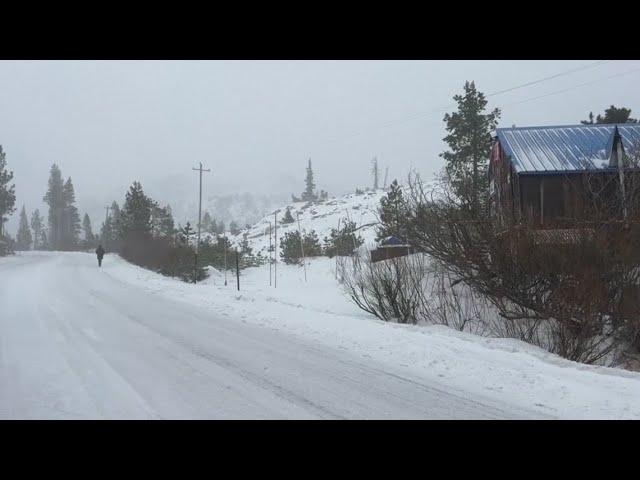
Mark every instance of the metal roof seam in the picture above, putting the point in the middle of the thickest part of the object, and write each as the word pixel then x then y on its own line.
pixel 564 148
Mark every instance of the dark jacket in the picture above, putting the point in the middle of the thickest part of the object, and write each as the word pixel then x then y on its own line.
pixel 100 252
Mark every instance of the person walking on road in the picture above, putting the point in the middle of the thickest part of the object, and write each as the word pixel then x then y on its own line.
pixel 100 254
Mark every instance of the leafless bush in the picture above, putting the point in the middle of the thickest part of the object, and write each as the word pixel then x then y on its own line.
pixel 384 289
pixel 572 291
pixel 412 289
pixel 455 304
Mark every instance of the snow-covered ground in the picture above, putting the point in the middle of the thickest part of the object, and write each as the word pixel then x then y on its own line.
pixel 321 217
pixel 120 342
pixel 505 370
pixel 124 342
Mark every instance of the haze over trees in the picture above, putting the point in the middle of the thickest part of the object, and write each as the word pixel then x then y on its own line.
pixel 63 218
pixel 23 237
pixel 39 235
pixel 7 194
pixel 89 237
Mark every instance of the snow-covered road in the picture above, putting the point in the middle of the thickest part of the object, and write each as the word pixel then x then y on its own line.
pixel 76 342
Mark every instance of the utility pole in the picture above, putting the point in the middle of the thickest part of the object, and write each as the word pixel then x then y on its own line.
pixel 275 251
pixel 304 263
pixel 195 269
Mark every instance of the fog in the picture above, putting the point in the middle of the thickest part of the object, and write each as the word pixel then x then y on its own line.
pixel 256 123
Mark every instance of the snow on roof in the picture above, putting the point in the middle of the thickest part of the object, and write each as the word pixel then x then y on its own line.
pixel 565 148
pixel 393 241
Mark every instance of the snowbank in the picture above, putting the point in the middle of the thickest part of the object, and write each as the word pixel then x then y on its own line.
pixel 508 370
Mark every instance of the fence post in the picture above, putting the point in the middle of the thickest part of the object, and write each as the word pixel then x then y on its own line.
pixel 237 269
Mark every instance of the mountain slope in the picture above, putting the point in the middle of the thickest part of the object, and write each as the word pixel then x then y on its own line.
pixel 321 217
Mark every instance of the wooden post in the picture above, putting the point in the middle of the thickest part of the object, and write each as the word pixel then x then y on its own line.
pixel 225 260
pixel 304 263
pixel 275 251
pixel 336 251
pixel 270 254
pixel 237 269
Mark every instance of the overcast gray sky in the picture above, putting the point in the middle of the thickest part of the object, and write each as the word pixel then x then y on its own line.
pixel 255 123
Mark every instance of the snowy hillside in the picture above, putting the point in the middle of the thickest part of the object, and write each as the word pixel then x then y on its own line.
pixel 244 208
pixel 320 216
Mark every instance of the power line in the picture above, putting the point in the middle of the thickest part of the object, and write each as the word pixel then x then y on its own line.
pixel 573 87
pixel 535 82
pixel 493 94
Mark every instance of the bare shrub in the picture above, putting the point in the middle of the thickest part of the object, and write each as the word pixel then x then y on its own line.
pixel 385 289
pixel 413 289
pixel 455 304
pixel 572 291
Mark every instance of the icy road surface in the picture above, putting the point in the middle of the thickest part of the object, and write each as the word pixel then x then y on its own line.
pixel 77 343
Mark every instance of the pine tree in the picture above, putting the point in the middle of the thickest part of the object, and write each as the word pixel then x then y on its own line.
pixel 290 252
pixel 162 222
pixel 107 234
pixel 391 214
pixel 38 232
pixel 342 242
pixel 72 225
pixel 245 247
pixel 111 230
pixel 233 228
pixel 55 198
pixel 469 139
pixel 114 211
pixel 612 115
pixel 88 231
pixel 217 227
pixel 206 222
pixel 135 216
pixel 7 192
pixel 309 194
pixel 23 238
pixel 186 233
pixel 311 243
pixel 287 218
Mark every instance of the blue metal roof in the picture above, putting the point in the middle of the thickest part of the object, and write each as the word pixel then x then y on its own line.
pixel 565 148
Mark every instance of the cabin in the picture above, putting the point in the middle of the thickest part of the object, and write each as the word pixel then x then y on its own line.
pixel 391 247
pixel 557 177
